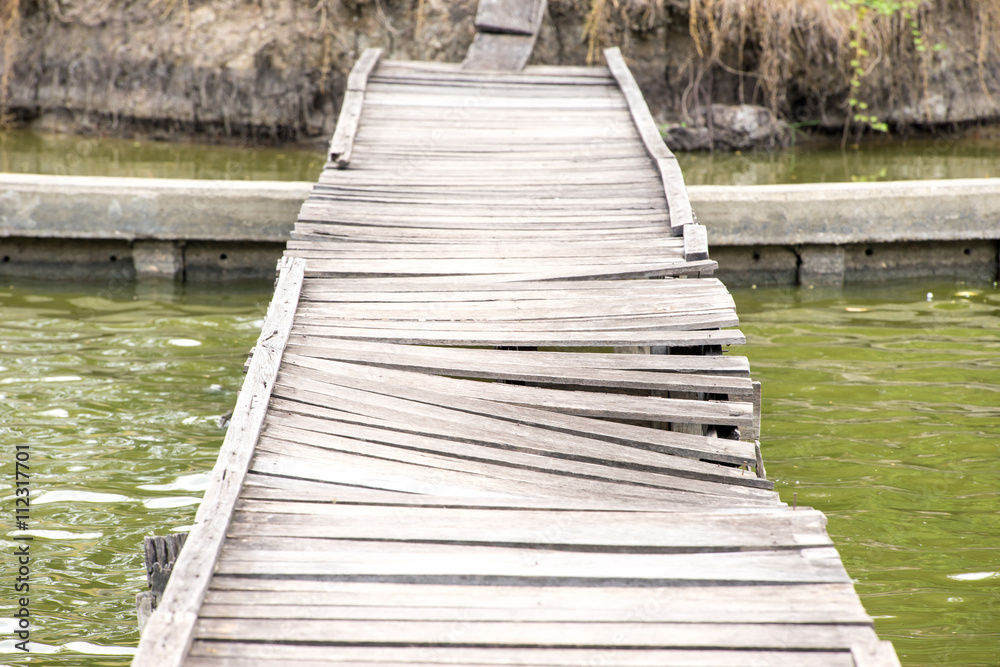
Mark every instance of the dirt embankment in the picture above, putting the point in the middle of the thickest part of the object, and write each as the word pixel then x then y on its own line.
pixel 275 69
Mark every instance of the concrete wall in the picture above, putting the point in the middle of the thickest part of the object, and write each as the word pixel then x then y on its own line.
pixel 87 227
pixel 823 234
pixel 831 233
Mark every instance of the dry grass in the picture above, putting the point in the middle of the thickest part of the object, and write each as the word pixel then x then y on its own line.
pixel 10 30
pixel 796 56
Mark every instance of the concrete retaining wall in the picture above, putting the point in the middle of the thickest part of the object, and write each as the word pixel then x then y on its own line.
pixel 80 227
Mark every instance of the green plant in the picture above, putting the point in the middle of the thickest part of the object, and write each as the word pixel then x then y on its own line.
pixel 860 55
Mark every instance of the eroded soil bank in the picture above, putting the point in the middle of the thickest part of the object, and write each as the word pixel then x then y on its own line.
pixel 275 69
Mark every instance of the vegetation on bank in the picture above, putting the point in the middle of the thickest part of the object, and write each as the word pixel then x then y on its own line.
pixel 873 60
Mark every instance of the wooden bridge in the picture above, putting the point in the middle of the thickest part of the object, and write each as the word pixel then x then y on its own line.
pixel 488 420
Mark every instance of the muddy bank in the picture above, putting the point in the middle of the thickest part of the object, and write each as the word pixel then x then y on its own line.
pixel 275 69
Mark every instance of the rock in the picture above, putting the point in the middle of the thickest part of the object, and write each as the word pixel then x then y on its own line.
pixel 741 127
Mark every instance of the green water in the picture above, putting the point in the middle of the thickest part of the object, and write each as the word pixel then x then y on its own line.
pixel 23 152
pixel 880 408
pixel 926 159
pixel 945 157
pixel 117 392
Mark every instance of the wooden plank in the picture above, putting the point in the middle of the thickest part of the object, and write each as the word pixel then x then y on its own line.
pixel 342 143
pixel 474 421
pixel 168 633
pixel 498 365
pixel 800 603
pixel 643 120
pixel 262 486
pixel 549 453
pixel 673 181
pixel 325 315
pixel 563 635
pixel 328 444
pixel 677 197
pixel 496 51
pixel 518 17
pixel 546 362
pixel 643 532
pixel 695 243
pixel 208 653
pixel 581 403
pixel 562 339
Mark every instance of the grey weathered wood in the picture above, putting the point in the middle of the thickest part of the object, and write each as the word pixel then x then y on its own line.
pixel 168 633
pixel 400 510
pixel 488 364
pixel 802 603
pixel 754 432
pixel 673 181
pixel 677 198
pixel 567 635
pixel 410 410
pixel 667 532
pixel 517 17
pixel 644 124
pixel 695 242
pixel 505 36
pixel 564 339
pixel 874 654
pixel 342 143
pixel 209 653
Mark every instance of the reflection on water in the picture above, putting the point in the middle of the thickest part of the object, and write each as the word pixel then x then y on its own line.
pixel 881 408
pixel 23 152
pixel 911 160
pixel 122 426
pixel 28 152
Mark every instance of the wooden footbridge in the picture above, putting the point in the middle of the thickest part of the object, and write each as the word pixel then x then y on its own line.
pixel 488 420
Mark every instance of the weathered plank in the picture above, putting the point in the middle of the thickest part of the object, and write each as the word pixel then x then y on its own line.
pixel 167 635
pixel 342 143
pixel 230 654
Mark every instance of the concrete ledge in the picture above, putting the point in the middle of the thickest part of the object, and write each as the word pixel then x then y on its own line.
pixel 79 207
pixel 72 227
pixel 843 213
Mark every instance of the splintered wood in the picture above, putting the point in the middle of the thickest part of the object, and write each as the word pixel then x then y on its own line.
pixel 469 455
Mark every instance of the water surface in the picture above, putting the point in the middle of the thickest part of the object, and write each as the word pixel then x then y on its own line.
pixel 24 152
pixel 117 392
pixel 881 408
pixel 897 160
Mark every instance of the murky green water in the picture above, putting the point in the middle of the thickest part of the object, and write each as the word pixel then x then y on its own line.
pixel 23 152
pixel 880 408
pixel 28 152
pixel 926 159
pixel 118 395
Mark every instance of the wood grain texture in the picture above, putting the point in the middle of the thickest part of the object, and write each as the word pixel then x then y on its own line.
pixel 168 633
pixel 342 143
pixel 494 434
